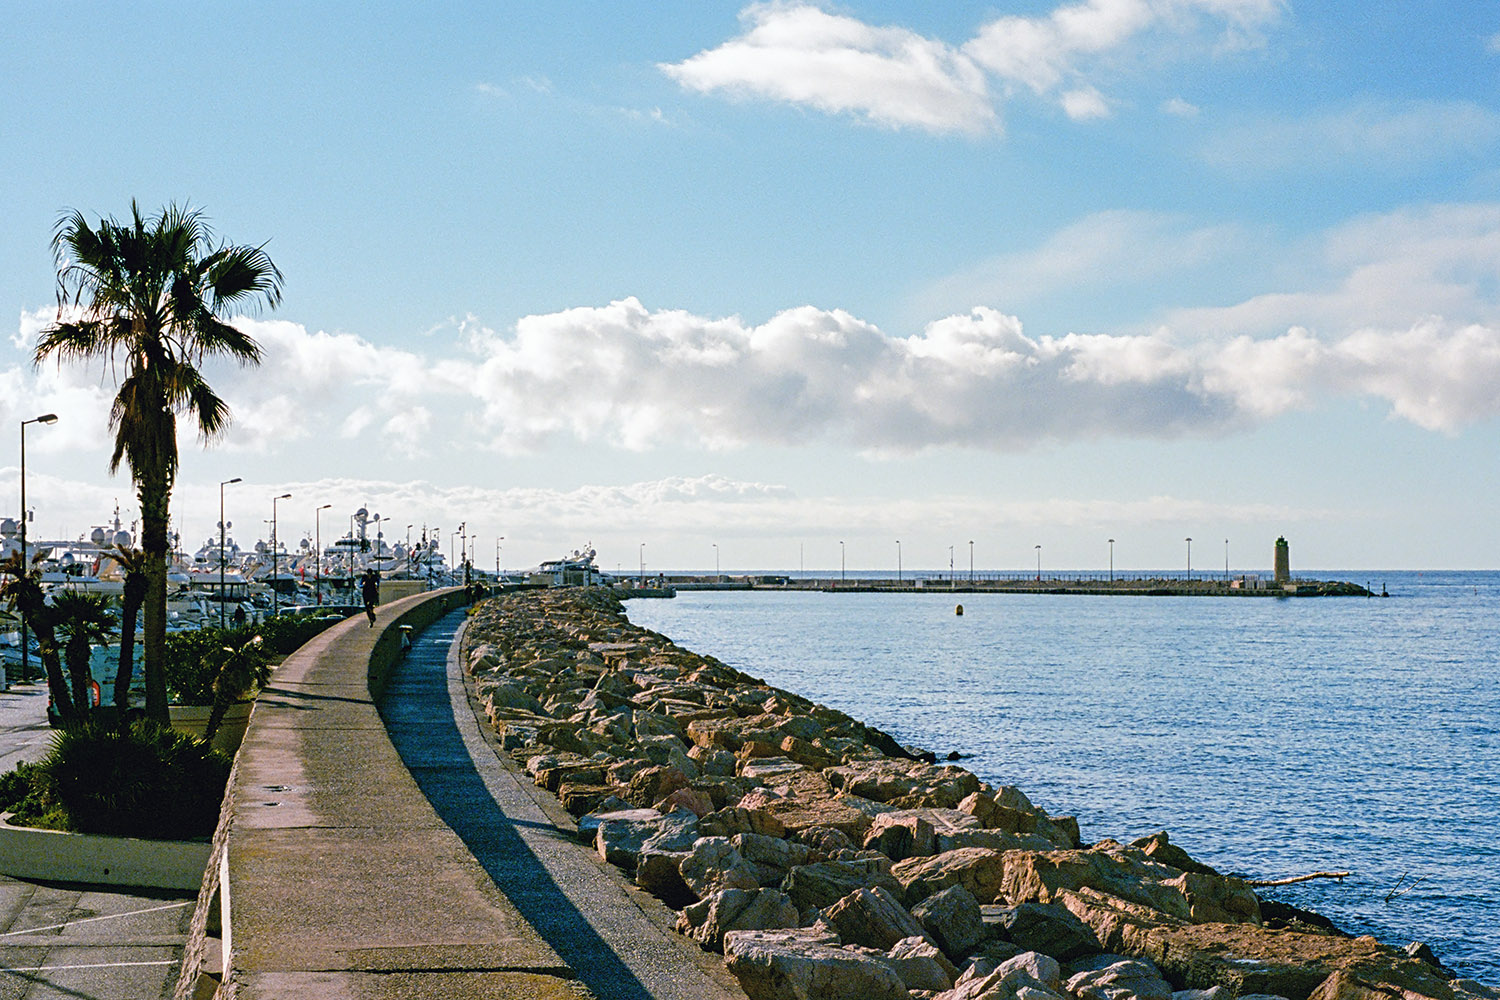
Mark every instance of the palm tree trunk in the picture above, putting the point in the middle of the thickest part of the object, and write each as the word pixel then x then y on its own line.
pixel 57 684
pixel 153 492
pixel 129 609
pixel 76 653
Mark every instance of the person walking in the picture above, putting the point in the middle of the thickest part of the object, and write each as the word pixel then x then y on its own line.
pixel 370 591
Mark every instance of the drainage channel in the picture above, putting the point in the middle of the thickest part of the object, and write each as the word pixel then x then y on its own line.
pixel 556 884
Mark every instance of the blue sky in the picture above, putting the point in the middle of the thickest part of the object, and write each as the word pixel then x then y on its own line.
pixel 775 276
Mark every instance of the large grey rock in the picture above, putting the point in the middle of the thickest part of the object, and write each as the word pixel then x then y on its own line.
pixel 1005 982
pixel 1045 927
pixel 714 864
pixel 620 840
pixel 977 869
pixel 920 965
pixel 902 834
pixel 1043 968
pixel 953 919
pixel 1127 979
pixel 771 857
pixel 873 918
pixel 708 920
pixel 824 883
pixel 807 965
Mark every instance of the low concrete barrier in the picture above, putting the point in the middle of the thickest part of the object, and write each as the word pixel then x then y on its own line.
pixel 56 856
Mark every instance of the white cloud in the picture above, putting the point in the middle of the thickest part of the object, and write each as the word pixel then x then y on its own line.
pixel 1388 137
pixel 1085 104
pixel 806 56
pixel 1492 44
pixel 1179 108
pixel 800 54
pixel 1102 250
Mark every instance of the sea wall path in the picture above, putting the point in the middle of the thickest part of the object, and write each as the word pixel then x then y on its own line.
pixel 332 873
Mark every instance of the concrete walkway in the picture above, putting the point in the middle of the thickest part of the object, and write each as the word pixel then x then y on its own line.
pixel 335 876
pixel 618 939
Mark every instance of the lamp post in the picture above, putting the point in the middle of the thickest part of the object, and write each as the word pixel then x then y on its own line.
pixel 1190 558
pixel 1038 564
pixel 642 577
pixel 225 483
pixel 1111 560
pixel 971 562
pixel 950 566
pixel 1226 562
pixel 841 561
pixel 497 559
pixel 46 418
pixel 898 561
pixel 318 543
pixel 275 557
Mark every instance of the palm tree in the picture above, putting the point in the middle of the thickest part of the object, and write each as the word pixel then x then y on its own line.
pixel 132 562
pixel 80 620
pixel 148 297
pixel 22 590
pixel 238 670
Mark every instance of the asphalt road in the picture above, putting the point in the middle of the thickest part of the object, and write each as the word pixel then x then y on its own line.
pixel 63 941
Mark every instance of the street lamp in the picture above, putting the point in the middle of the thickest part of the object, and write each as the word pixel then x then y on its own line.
pixel 898 561
pixel 1111 560
pixel 275 558
pixel 318 544
pixel 497 559
pixel 1226 562
pixel 46 418
pixel 716 562
pixel 971 562
pixel 1190 558
pixel 225 483
pixel 1038 564
pixel 642 577
pixel 950 566
pixel 841 561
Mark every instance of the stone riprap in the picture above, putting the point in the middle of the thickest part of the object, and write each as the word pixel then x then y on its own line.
pixel 825 860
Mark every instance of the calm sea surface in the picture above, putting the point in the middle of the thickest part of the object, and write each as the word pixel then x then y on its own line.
pixel 1270 737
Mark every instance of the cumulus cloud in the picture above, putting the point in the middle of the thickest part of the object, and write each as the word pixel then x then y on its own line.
pixel 892 76
pixel 1179 108
pixel 806 56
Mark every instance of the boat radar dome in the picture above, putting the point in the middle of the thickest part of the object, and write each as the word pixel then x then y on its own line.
pixel 9 527
pixel 122 538
pixel 98 535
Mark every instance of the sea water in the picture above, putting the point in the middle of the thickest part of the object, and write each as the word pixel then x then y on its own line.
pixel 1270 737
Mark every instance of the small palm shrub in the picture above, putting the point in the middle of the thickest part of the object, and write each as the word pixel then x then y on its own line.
pixel 23 793
pixel 143 781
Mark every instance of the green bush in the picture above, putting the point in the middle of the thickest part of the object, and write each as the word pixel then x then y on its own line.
pixel 144 781
pixel 190 656
pixel 23 793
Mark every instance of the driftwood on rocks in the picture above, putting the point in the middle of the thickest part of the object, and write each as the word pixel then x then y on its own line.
pixel 828 861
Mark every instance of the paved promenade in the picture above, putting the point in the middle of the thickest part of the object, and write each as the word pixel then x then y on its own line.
pixel 338 878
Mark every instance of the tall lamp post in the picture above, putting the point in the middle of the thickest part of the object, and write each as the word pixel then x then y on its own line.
pixel 1111 560
pixel 898 561
pixel 497 559
pixel 1190 558
pixel 318 543
pixel 841 561
pixel 46 418
pixel 1038 564
pixel 950 566
pixel 1226 562
pixel 275 556
pixel 642 577
pixel 716 562
pixel 971 562
pixel 225 483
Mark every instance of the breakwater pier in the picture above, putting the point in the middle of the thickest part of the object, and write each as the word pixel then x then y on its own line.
pixel 1142 586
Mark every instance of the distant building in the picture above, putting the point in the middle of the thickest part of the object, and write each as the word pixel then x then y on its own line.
pixel 1283 574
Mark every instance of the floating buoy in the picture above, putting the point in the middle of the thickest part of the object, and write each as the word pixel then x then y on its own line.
pixel 959 610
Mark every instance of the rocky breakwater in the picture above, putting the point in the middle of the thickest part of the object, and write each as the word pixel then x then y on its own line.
pixel 825 861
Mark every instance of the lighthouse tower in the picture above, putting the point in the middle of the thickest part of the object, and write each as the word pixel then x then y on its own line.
pixel 1283 562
